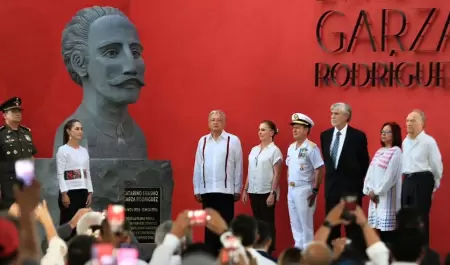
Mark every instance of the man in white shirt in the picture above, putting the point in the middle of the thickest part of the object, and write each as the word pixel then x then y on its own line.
pixel 422 168
pixel 218 172
pixel 305 173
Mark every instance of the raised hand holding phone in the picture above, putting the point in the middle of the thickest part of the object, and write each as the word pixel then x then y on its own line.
pixel 25 171
pixel 116 217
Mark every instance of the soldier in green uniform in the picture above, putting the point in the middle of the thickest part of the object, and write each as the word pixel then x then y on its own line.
pixel 15 143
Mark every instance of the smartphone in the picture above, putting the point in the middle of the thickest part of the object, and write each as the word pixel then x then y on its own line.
pixel 116 217
pixel 127 256
pixel 198 217
pixel 25 171
pixel 350 202
pixel 103 254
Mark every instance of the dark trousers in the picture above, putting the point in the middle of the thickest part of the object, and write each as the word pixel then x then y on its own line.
pixel 417 192
pixel 7 192
pixel 77 201
pixel 224 204
pixel 386 236
pixel 264 213
pixel 352 231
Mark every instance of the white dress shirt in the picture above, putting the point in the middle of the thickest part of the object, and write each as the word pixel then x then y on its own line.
pixel 341 142
pixel 261 168
pixel 77 161
pixel 163 254
pixel 260 259
pixel 422 154
pixel 218 165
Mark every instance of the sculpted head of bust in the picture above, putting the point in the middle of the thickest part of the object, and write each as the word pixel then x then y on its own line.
pixel 102 53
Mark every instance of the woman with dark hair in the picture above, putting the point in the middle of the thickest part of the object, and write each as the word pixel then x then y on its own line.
pixel 264 168
pixel 72 163
pixel 383 181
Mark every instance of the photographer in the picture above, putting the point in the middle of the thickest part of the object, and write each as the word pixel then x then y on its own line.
pixel 376 250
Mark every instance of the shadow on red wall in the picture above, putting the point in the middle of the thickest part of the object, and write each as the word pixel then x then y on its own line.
pixel 253 59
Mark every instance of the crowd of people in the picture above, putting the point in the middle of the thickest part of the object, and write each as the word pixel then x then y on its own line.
pixel 245 240
pixel 400 181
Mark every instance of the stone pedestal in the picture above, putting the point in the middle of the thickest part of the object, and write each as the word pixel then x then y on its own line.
pixel 110 177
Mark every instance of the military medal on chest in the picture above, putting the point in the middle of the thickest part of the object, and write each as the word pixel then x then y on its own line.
pixel 302 152
pixel 28 137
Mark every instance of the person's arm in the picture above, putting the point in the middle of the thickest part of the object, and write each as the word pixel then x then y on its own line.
pixel 238 167
pixel 197 178
pixel 391 175
pixel 65 231
pixel 60 168
pixel 317 163
pixel 33 148
pixel 363 156
pixel 367 187
pixel 277 161
pixel 436 165
pixel 88 176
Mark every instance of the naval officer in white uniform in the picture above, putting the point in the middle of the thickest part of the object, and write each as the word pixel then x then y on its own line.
pixel 305 173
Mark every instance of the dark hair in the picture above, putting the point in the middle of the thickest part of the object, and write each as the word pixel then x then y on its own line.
pixel 407 244
pixel 396 134
pixel 447 259
pixel 79 249
pixel 264 233
pixel 272 126
pixel 291 256
pixel 408 217
pixel 246 228
pixel 68 126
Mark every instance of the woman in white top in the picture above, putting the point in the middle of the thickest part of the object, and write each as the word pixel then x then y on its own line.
pixel 72 162
pixel 264 168
pixel 383 181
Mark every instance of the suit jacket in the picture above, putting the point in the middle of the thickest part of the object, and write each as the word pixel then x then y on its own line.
pixel 348 177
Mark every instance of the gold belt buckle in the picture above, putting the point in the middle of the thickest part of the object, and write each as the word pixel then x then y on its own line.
pixel 292 184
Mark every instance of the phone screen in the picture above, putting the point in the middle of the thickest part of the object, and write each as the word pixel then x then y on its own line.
pixel 127 256
pixel 103 254
pixel 25 171
pixel 116 217
pixel 350 203
pixel 198 217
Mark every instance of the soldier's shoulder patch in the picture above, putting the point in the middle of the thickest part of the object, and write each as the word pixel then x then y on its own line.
pixel 25 128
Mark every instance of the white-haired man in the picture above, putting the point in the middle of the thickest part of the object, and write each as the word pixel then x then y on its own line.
pixel 218 172
pixel 346 157
pixel 422 167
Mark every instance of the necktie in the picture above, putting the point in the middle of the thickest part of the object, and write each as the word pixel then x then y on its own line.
pixel 334 149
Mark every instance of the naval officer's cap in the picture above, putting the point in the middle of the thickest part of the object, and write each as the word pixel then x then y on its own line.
pixel 12 103
pixel 300 118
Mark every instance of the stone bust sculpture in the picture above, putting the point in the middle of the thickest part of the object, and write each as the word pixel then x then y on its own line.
pixel 102 53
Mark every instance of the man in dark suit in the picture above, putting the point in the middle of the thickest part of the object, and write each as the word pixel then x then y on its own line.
pixel 346 158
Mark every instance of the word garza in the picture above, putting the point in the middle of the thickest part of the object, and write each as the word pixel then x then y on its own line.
pixel 404 74
pixel 363 23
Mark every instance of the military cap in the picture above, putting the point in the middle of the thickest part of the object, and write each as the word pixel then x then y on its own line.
pixel 300 118
pixel 12 103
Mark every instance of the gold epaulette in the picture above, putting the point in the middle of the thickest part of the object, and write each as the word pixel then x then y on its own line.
pixel 311 143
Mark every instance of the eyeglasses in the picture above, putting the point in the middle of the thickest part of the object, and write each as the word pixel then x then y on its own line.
pixel 386 132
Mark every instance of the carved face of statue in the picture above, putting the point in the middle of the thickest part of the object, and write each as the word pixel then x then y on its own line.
pixel 116 68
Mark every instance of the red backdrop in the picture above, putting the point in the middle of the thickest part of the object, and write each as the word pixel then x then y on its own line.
pixel 254 59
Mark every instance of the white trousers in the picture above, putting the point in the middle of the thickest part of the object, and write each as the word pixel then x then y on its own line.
pixel 301 215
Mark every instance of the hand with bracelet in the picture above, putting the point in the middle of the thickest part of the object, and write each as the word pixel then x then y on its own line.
pixel 334 216
pixel 312 197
